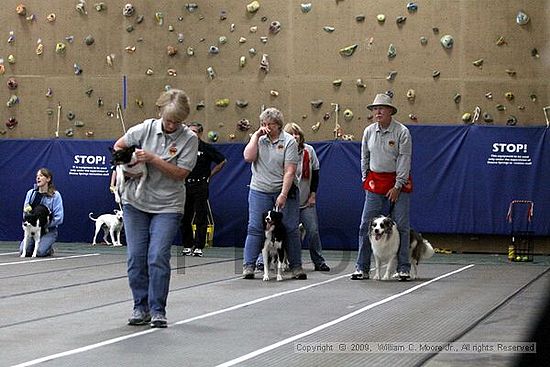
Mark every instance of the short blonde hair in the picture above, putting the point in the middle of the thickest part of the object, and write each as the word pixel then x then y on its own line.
pixel 173 105
pixel 272 114
pixel 294 128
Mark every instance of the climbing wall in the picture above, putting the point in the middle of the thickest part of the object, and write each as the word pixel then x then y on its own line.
pixel 87 70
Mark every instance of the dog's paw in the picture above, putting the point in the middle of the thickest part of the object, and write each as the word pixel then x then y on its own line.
pixel 22 255
pixel 279 278
pixel 376 276
pixel 266 278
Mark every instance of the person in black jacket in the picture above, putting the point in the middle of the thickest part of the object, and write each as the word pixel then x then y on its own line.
pixel 196 201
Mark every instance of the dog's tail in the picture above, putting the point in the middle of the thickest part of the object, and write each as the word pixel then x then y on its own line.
pixel 427 249
pixel 92 218
pixel 423 249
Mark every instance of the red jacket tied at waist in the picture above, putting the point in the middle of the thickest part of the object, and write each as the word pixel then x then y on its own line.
pixel 382 182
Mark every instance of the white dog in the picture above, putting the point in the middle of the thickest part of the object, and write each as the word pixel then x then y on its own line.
pixel 110 223
pixel 127 165
pixel 384 240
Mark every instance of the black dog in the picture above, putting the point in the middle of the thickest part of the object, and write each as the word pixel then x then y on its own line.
pixel 275 244
pixel 35 224
pixel 126 165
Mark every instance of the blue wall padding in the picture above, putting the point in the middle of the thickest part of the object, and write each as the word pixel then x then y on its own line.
pixel 464 179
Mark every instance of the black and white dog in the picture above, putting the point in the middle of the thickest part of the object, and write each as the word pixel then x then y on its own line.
pixel 275 244
pixel 35 224
pixel 111 224
pixel 384 238
pixel 126 164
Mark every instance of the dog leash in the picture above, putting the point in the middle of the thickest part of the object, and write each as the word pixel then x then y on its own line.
pixel 392 206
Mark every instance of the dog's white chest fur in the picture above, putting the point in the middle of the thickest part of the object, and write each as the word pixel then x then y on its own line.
pixel 274 249
pixel 384 239
pixel 271 245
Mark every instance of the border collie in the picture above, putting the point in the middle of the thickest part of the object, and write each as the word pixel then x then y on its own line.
pixel 35 224
pixel 384 240
pixel 275 244
pixel 126 165
pixel 111 224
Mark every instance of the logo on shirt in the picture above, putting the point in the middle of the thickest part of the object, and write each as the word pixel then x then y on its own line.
pixel 173 150
pixel 391 143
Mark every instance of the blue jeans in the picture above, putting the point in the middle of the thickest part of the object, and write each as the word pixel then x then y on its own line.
pixel 46 242
pixel 260 202
pixel 376 204
pixel 308 218
pixel 149 238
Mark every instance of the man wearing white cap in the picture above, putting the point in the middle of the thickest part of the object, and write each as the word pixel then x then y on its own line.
pixel 385 170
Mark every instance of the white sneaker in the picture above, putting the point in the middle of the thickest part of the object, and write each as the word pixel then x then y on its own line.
pixel 402 276
pixel 358 275
pixel 197 252
pixel 186 251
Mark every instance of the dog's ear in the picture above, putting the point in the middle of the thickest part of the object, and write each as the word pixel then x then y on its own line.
pixel 388 222
pixel 27 217
pixel 370 222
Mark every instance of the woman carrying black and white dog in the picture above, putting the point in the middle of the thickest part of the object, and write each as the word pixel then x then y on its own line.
pixel 151 219
pixel 44 193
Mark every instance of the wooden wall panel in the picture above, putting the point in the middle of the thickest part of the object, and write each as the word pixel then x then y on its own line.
pixel 304 61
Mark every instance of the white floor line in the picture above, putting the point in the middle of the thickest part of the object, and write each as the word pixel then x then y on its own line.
pixel 40 259
pixel 236 307
pixel 9 253
pixel 83 349
pixel 336 321
pixel 232 308
pixel 130 336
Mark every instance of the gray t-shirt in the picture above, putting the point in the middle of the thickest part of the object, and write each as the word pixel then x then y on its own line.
pixel 387 150
pixel 268 168
pixel 161 193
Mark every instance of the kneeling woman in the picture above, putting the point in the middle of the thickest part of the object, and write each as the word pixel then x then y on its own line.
pixel 44 193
